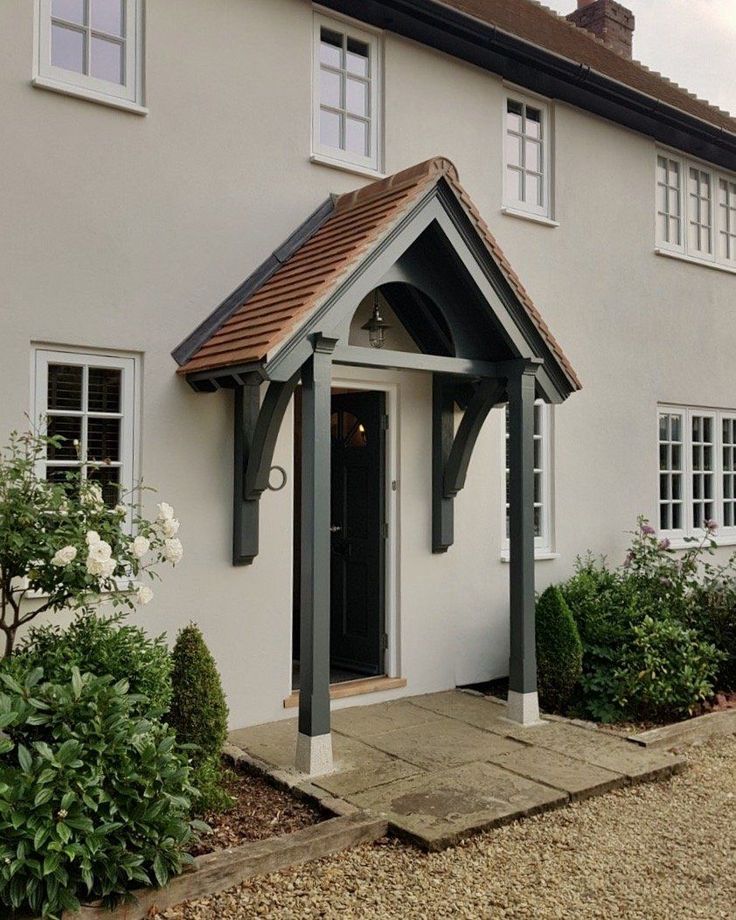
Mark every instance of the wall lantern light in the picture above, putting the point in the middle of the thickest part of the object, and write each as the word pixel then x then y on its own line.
pixel 376 326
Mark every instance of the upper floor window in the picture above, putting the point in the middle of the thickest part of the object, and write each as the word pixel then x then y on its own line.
pixel 91 48
pixel 542 478
pixel 88 400
pixel 696 210
pixel 697 470
pixel 527 157
pixel 347 94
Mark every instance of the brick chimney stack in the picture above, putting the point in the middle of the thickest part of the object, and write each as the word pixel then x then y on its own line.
pixel 610 21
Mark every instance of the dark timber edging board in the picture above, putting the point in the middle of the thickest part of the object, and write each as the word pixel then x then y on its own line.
pixel 217 871
pixel 691 731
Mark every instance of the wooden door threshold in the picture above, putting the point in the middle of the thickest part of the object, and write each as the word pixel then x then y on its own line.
pixel 348 688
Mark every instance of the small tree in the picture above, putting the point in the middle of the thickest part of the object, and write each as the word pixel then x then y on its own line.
pixel 199 714
pixel 62 547
pixel 559 649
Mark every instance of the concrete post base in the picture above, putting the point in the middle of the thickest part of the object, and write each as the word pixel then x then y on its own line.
pixel 314 754
pixel 523 708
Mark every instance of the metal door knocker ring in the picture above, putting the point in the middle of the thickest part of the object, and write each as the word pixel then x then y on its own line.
pixel 280 486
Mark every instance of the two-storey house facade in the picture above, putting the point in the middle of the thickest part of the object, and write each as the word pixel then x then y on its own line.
pixel 156 154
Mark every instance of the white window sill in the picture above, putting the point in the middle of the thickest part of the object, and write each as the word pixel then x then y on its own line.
pixel 681 543
pixel 706 263
pixel 355 168
pixel 528 215
pixel 79 92
pixel 540 555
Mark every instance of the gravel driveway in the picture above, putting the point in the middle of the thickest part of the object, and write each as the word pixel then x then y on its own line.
pixel 665 850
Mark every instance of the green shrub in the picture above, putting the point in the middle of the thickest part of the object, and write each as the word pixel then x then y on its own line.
pixel 199 715
pixel 94 800
pixel 102 646
pixel 559 650
pixel 713 616
pixel 664 670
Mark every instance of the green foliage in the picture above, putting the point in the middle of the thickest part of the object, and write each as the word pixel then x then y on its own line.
pixel 62 540
pixel 207 779
pixel 103 645
pixel 94 800
pixel 199 714
pixel 646 651
pixel 713 616
pixel 559 650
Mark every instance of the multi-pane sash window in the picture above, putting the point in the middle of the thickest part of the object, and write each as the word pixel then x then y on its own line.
pixel 669 200
pixel 91 48
pixel 347 94
pixel 88 401
pixel 542 477
pixel 700 211
pixel 527 157
pixel 696 210
pixel 727 220
pixel 697 470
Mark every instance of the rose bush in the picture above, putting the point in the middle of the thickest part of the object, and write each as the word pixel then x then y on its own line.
pixel 62 547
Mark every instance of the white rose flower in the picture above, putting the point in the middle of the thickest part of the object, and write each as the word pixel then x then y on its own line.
pixel 140 546
pixel 169 527
pixel 165 512
pixel 121 510
pixel 92 495
pixel 99 560
pixel 143 595
pixel 173 551
pixel 92 537
pixel 64 556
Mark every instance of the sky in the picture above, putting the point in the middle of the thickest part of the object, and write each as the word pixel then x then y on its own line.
pixel 689 41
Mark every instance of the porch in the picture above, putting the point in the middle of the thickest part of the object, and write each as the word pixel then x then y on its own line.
pixel 445 765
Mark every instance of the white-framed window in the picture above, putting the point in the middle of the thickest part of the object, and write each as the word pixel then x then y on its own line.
pixel 527 159
pixel 89 400
pixel 91 48
pixel 727 220
pixel 347 112
pixel 695 210
pixel 542 478
pixel 697 470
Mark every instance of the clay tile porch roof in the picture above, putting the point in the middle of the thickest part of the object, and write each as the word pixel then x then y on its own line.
pixel 277 300
pixel 533 22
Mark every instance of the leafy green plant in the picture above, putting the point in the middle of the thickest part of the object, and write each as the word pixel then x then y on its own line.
pixel 94 801
pixel 61 540
pixel 103 645
pixel 664 670
pixel 559 650
pixel 199 715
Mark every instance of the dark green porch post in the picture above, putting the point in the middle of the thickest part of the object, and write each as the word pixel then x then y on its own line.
pixel 314 741
pixel 523 704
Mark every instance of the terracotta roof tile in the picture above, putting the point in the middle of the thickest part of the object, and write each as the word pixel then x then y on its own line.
pixel 535 23
pixel 255 329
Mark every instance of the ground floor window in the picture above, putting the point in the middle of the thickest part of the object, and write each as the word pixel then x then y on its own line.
pixel 697 470
pixel 88 400
pixel 542 478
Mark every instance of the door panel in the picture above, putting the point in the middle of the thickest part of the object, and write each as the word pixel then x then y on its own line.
pixel 357 558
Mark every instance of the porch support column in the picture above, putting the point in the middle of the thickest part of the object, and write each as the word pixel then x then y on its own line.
pixel 523 702
pixel 314 740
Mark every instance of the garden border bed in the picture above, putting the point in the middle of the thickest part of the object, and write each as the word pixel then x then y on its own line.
pixel 689 731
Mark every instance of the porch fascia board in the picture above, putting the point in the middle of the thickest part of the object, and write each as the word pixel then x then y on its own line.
pixel 415 361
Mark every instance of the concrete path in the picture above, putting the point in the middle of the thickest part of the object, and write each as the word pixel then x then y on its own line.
pixel 445 765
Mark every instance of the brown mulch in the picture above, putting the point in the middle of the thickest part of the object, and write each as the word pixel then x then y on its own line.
pixel 260 810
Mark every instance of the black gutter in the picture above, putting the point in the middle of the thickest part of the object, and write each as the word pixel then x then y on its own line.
pixel 206 329
pixel 543 72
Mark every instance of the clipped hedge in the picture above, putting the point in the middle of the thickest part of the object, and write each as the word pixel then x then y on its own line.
pixel 559 650
pixel 199 714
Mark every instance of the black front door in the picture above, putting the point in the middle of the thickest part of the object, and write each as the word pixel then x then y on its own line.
pixel 358 517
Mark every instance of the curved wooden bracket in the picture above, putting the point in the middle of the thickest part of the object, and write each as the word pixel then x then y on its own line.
pixel 256 428
pixel 451 452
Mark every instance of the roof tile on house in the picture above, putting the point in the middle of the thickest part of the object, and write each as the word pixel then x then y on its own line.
pixel 535 23
pixel 255 329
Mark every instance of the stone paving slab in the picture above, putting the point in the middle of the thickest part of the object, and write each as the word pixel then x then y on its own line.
pixel 438 809
pixel 576 777
pixel 443 743
pixel 467 707
pixel 366 721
